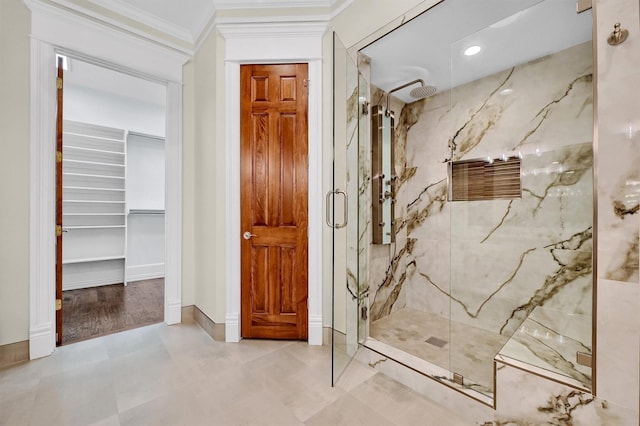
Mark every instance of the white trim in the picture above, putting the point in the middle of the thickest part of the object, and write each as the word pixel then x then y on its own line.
pixel 42 241
pixel 92 283
pixel 104 279
pixel 144 272
pixel 53 28
pixel 232 172
pixel 279 19
pixel 315 203
pixel 146 18
pixel 273 43
pixel 173 205
pixel 273 4
pixel 84 17
pixel 194 36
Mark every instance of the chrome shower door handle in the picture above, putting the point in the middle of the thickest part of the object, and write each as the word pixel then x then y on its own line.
pixel 345 209
pixel 328 209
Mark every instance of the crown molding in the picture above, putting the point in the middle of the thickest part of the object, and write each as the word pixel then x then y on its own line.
pixel 67 7
pixel 195 37
pixel 60 26
pixel 274 4
pixel 237 30
pixel 144 17
pixel 293 25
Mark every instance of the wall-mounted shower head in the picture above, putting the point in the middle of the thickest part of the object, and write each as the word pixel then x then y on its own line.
pixel 421 92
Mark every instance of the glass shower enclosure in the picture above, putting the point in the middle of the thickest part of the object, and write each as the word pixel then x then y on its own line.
pixel 343 212
pixel 491 255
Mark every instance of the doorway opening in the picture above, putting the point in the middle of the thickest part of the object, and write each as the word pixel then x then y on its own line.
pixel 112 202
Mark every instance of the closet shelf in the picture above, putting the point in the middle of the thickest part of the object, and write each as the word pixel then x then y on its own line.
pixel 93 201
pixel 92 259
pixel 145 211
pixel 94 227
pixel 85 136
pixel 93 214
pixel 94 163
pixel 98 151
pixel 94 176
pixel 90 188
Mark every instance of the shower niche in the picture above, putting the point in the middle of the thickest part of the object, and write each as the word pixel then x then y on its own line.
pixel 445 286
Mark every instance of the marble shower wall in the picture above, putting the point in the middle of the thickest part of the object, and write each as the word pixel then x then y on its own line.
pixel 618 186
pixel 491 264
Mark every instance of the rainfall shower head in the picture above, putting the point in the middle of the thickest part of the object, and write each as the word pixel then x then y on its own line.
pixel 421 92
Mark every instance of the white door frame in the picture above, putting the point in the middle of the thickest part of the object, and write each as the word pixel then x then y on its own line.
pixel 273 43
pixel 52 29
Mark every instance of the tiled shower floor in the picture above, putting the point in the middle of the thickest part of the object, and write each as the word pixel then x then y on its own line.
pixel 456 347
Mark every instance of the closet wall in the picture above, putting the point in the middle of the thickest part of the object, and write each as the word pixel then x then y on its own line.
pixel 145 207
pixel 118 123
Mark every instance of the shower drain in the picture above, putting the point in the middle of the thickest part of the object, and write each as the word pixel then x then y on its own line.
pixel 436 342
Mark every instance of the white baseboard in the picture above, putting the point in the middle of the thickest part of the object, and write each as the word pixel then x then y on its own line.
pixel 92 274
pixel 144 272
pixel 41 342
pixel 92 283
pixel 232 328
pixel 315 331
pixel 173 311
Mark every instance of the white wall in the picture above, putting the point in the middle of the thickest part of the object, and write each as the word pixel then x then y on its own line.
pixel 145 172
pixel 145 191
pixel 209 169
pixel 188 185
pixel 93 106
pixel 14 172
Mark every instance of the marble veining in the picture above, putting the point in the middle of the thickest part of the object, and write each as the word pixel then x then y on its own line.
pixel 436 198
pixel 580 265
pixel 387 292
pixel 558 410
pixel 471 133
pixel 586 79
pixel 625 266
pixel 621 210
pixel 535 341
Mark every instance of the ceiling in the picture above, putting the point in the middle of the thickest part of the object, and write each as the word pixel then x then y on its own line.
pixel 184 19
pixel 94 77
pixel 187 19
pixel 429 46
pixel 510 32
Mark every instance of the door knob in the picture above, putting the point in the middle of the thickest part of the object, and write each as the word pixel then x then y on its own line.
pixel 247 235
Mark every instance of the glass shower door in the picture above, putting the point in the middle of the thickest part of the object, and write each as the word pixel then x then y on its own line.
pixel 521 222
pixel 342 210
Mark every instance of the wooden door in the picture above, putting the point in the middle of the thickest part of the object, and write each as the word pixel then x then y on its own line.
pixel 274 170
pixel 59 85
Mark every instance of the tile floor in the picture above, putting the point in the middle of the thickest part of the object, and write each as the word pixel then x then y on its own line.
pixel 468 350
pixel 177 375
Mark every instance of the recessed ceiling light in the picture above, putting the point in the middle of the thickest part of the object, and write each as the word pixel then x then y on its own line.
pixel 472 50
